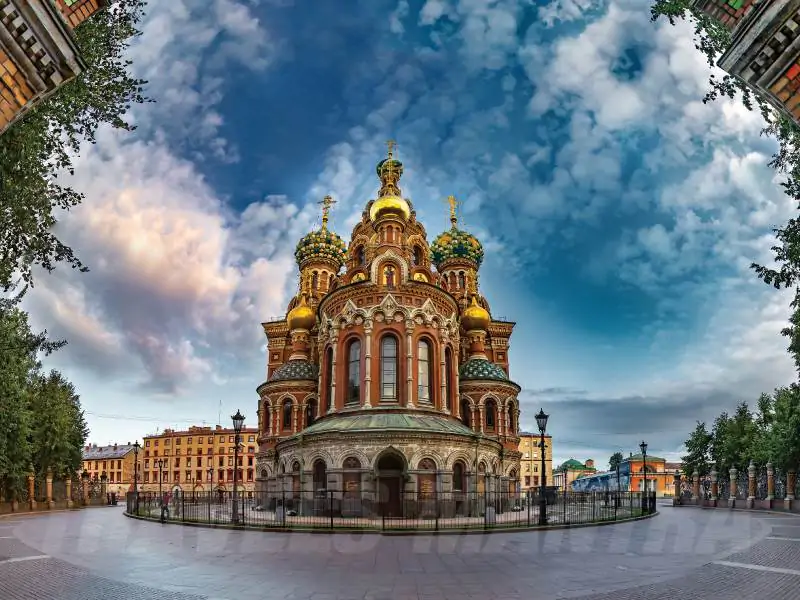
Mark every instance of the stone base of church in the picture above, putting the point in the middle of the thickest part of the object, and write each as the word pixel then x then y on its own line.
pixel 378 473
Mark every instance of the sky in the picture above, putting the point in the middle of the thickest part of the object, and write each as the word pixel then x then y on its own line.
pixel 618 212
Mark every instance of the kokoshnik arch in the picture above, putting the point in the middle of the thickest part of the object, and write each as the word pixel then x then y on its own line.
pixel 388 377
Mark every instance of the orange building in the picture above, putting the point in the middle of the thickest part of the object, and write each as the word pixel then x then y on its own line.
pixel 198 459
pixel 115 462
pixel 38 52
pixel 531 460
pixel 660 474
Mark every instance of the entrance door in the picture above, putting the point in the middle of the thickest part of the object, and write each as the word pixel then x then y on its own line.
pixel 390 480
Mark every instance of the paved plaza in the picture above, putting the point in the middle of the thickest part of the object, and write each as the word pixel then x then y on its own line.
pixel 681 553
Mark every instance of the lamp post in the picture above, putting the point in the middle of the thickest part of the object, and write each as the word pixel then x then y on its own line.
pixel 643 448
pixel 238 421
pixel 136 447
pixel 161 463
pixel 541 422
pixel 616 502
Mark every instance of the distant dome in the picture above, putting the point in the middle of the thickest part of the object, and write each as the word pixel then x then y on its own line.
pixel 480 368
pixel 295 370
pixel 301 316
pixel 455 243
pixel 321 244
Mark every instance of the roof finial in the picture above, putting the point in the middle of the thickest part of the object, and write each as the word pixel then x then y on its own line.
pixel 389 171
pixel 451 200
pixel 326 203
pixel 391 145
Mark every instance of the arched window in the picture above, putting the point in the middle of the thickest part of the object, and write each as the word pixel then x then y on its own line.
pixel 452 279
pixel 491 414
pixel 311 412
pixel 512 418
pixel 389 369
pixel 361 257
pixel 329 376
pixel 462 282
pixel 264 474
pixel 314 280
pixel 458 477
pixel 319 475
pixel 448 378
pixel 466 412
pixel 418 257
pixel 330 281
pixel 351 463
pixel 287 414
pixel 424 372
pixel 354 372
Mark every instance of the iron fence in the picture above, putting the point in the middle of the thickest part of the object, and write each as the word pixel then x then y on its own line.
pixel 331 509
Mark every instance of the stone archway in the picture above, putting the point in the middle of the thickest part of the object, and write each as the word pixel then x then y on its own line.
pixel 390 469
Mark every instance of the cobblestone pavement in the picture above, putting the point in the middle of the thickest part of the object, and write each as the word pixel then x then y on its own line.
pixel 683 552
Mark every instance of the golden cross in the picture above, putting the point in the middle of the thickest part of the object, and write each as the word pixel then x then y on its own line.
pixel 451 200
pixel 326 203
pixel 391 144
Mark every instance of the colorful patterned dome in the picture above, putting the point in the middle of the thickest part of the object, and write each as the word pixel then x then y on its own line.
pixel 480 368
pixel 321 244
pixel 456 243
pixel 294 370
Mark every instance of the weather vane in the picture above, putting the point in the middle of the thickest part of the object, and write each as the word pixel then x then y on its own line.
pixel 326 203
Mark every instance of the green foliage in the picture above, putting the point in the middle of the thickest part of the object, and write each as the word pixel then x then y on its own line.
pixel 36 148
pixel 43 425
pixel 697 451
pixel 615 460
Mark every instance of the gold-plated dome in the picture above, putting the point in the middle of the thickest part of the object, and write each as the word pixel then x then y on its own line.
pixel 475 317
pixel 301 316
pixel 390 204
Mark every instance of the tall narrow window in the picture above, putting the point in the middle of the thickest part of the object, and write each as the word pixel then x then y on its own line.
pixel 417 256
pixel 287 414
pixel 329 376
pixel 512 418
pixel 466 413
pixel 424 379
pixel 314 280
pixel 311 412
pixel 448 378
pixel 462 284
pixel 354 373
pixel 458 477
pixel 389 369
pixel 491 417
pixel 361 257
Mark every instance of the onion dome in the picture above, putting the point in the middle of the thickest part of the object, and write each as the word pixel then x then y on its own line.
pixel 456 243
pixel 475 317
pixel 322 244
pixel 390 200
pixel 480 368
pixel 294 370
pixel 301 316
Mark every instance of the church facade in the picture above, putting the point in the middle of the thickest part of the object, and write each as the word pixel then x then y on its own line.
pixel 387 381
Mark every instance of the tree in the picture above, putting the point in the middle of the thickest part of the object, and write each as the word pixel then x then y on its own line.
pixel 697 451
pixel 38 147
pixel 615 461
pixel 784 441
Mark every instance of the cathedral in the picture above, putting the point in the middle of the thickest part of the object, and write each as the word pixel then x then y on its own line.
pixel 387 380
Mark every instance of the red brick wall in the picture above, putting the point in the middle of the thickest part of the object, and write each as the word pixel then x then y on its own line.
pixel 15 92
pixel 787 90
pixel 724 12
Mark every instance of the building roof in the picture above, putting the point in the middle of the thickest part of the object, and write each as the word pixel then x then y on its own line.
pixel 199 430
pixel 575 465
pixel 106 452
pixel 638 457
pixel 480 368
pixel 388 422
pixel 295 370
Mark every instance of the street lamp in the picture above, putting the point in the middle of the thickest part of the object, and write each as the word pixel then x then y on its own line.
pixel 238 421
pixel 643 448
pixel 541 422
pixel 136 447
pixel 161 463
pixel 616 503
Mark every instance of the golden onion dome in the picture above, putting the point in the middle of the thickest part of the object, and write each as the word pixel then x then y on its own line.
pixel 390 205
pixel 301 316
pixel 475 317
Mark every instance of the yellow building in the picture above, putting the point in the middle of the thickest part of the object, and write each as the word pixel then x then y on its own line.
pixel 531 460
pixel 115 461
pixel 198 460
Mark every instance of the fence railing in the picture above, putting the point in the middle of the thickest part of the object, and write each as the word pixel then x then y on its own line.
pixel 334 509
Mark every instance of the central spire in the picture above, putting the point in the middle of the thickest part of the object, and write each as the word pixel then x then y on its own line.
pixel 389 171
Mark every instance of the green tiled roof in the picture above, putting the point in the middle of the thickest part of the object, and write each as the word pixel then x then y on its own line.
pixel 480 368
pixel 388 422
pixel 639 457
pixel 296 370
pixel 574 465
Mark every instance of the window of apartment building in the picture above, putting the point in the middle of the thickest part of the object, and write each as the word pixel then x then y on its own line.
pixel 119 464
pixel 147 452
pixel 230 450
pixel 210 439
pixel 251 438
pixel 230 439
pixel 188 440
pixel 210 451
pixel 177 462
pixel 166 452
pixel 147 443
pixel 198 476
pixel 249 461
pixel 147 477
pixel 177 451
pixel 188 475
pixel 147 464
pixel 156 442
pixel 527 481
pixel 221 461
pixel 177 476
pixel 526 455
pixel 104 465
pixel 95 465
pixel 249 476
pixel 221 439
pixel 230 461
pixel 155 453
pixel 178 442
pixel 167 442
pixel 188 461
pixel 251 450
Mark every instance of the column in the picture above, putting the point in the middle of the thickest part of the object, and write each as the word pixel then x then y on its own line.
pixel 85 490
pixel 714 487
pixel 770 485
pixel 49 489
pixel 295 417
pixel 68 483
pixel 791 481
pixel 31 492
pixel 732 497
pixel 367 365
pixel 335 347
pixel 443 391
pixel 751 485
pixel 457 404
pixel 409 365
pixel 273 420
pixel 482 414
